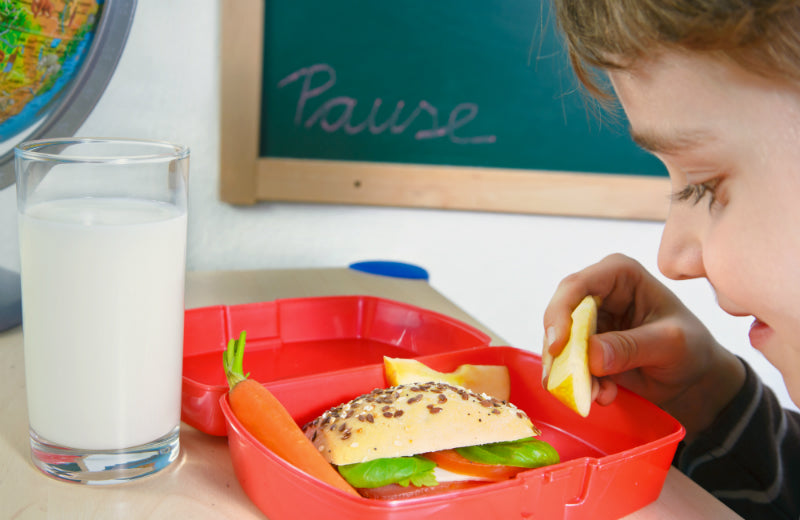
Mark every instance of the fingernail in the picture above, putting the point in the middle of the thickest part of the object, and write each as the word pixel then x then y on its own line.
pixel 550 334
pixel 608 355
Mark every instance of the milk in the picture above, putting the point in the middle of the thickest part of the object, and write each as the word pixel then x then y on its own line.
pixel 103 356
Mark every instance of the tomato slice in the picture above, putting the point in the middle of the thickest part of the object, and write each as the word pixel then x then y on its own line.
pixel 397 492
pixel 452 461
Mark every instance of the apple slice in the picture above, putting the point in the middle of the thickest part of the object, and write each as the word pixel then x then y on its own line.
pixel 569 377
pixel 492 380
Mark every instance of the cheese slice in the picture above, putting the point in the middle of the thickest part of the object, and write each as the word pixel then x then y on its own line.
pixel 443 475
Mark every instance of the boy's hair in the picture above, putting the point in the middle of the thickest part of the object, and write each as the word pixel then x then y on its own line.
pixel 762 36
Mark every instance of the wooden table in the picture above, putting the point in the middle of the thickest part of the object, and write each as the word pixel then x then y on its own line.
pixel 201 484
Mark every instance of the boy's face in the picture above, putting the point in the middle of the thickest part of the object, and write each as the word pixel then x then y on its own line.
pixel 734 139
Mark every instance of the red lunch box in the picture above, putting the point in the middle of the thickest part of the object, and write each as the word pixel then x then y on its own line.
pixel 315 353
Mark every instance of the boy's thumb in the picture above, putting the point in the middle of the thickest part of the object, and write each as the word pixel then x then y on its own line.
pixel 619 351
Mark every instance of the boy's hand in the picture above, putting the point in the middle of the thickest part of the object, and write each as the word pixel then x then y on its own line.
pixel 646 341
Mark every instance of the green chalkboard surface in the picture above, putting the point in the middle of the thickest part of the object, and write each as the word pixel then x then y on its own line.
pixel 442 82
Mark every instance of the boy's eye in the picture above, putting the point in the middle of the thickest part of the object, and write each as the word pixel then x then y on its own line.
pixel 696 192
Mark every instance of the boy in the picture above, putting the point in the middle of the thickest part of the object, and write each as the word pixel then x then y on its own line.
pixel 712 88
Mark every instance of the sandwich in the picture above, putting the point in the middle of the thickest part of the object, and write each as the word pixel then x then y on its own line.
pixel 420 439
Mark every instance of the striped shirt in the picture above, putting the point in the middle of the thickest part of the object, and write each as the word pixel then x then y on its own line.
pixel 750 457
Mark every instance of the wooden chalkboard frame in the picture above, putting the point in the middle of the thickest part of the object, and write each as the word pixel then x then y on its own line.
pixel 246 178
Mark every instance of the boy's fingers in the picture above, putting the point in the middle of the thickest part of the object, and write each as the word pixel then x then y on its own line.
pixel 607 391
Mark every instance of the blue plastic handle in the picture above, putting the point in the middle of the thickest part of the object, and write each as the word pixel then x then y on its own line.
pixel 392 269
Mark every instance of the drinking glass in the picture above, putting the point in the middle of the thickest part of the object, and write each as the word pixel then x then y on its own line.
pixel 102 231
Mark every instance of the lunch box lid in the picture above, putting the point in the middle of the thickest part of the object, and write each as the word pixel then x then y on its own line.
pixel 300 337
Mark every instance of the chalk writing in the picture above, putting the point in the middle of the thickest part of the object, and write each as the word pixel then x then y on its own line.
pixel 336 113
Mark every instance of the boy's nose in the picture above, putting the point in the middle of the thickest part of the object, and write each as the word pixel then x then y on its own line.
pixel 680 255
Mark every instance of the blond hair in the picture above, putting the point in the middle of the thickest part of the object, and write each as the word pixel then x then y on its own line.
pixel 762 36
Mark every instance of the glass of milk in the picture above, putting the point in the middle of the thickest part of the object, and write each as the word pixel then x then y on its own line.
pixel 102 230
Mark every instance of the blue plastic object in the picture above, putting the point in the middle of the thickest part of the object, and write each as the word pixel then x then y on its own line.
pixel 10 299
pixel 392 269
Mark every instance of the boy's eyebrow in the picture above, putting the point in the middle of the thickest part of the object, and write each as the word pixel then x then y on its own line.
pixel 669 143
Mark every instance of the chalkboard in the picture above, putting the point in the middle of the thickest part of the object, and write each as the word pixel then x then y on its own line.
pixel 460 104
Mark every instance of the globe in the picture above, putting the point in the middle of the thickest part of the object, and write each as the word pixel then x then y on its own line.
pixel 56 56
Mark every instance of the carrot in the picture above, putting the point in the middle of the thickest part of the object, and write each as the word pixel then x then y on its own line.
pixel 267 420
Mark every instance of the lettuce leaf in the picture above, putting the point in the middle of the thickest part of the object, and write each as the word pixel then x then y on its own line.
pixel 524 453
pixel 417 471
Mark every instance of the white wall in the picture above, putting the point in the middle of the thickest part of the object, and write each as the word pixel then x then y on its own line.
pixel 501 268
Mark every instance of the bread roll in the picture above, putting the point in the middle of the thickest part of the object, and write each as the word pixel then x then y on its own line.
pixel 414 418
